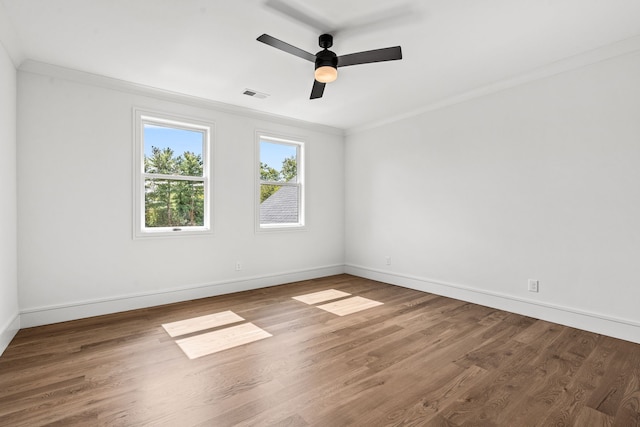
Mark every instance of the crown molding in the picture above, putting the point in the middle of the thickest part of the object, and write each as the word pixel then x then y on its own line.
pixel 603 53
pixel 9 39
pixel 620 48
pixel 91 79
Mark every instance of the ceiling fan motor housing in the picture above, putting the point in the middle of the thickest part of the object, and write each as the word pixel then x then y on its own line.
pixel 326 58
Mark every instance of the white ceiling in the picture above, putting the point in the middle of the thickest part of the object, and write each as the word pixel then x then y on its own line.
pixel 208 48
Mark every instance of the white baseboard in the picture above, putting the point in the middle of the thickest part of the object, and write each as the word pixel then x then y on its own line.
pixel 594 322
pixel 8 331
pixel 37 316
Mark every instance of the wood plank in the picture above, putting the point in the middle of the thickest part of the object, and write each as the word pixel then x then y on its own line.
pixel 322 296
pixel 418 359
pixel 590 417
pixel 201 323
pixel 349 305
pixel 223 339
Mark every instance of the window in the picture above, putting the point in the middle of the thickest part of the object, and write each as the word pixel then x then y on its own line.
pixel 280 183
pixel 172 169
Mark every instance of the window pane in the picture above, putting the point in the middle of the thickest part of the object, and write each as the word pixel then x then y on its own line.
pixel 279 204
pixel 278 162
pixel 173 203
pixel 172 151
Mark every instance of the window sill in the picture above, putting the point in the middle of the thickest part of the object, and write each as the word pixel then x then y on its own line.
pixel 270 228
pixel 174 232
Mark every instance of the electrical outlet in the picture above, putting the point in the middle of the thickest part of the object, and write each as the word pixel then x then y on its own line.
pixel 387 260
pixel 533 285
pixel 238 266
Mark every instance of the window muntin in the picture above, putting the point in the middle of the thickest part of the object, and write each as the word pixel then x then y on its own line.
pixel 280 195
pixel 172 189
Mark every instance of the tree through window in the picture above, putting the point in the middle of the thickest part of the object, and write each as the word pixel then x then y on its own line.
pixel 280 182
pixel 173 185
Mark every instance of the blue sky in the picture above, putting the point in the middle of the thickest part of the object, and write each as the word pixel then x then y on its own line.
pixel 179 140
pixel 273 154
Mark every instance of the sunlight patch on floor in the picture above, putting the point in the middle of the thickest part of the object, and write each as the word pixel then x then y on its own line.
pixel 223 339
pixel 349 305
pixel 322 296
pixel 201 323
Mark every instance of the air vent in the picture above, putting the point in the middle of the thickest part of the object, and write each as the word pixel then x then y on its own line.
pixel 255 94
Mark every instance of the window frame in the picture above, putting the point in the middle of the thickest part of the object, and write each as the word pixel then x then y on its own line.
pixel 299 143
pixel 142 117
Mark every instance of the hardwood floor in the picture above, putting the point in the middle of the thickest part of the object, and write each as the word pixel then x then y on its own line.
pixel 417 359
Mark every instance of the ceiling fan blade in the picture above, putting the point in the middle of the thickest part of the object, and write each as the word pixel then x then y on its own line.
pixel 317 90
pixel 299 15
pixel 366 57
pixel 286 47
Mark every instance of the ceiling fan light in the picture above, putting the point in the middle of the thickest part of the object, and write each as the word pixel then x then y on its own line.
pixel 326 74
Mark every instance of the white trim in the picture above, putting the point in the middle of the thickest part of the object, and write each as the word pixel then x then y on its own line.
pixel 9 38
pixel 76 76
pixel 8 331
pixel 208 129
pixel 44 315
pixel 594 322
pixel 607 325
pixel 299 143
pixel 620 48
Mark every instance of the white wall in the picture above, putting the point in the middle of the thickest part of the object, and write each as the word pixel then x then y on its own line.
pixel 540 181
pixel 76 252
pixel 9 320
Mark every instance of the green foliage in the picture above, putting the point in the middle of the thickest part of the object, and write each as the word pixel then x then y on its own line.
pixel 268 174
pixel 161 161
pixel 172 202
pixel 289 171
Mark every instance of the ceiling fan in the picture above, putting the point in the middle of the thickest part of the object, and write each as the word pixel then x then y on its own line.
pixel 327 62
